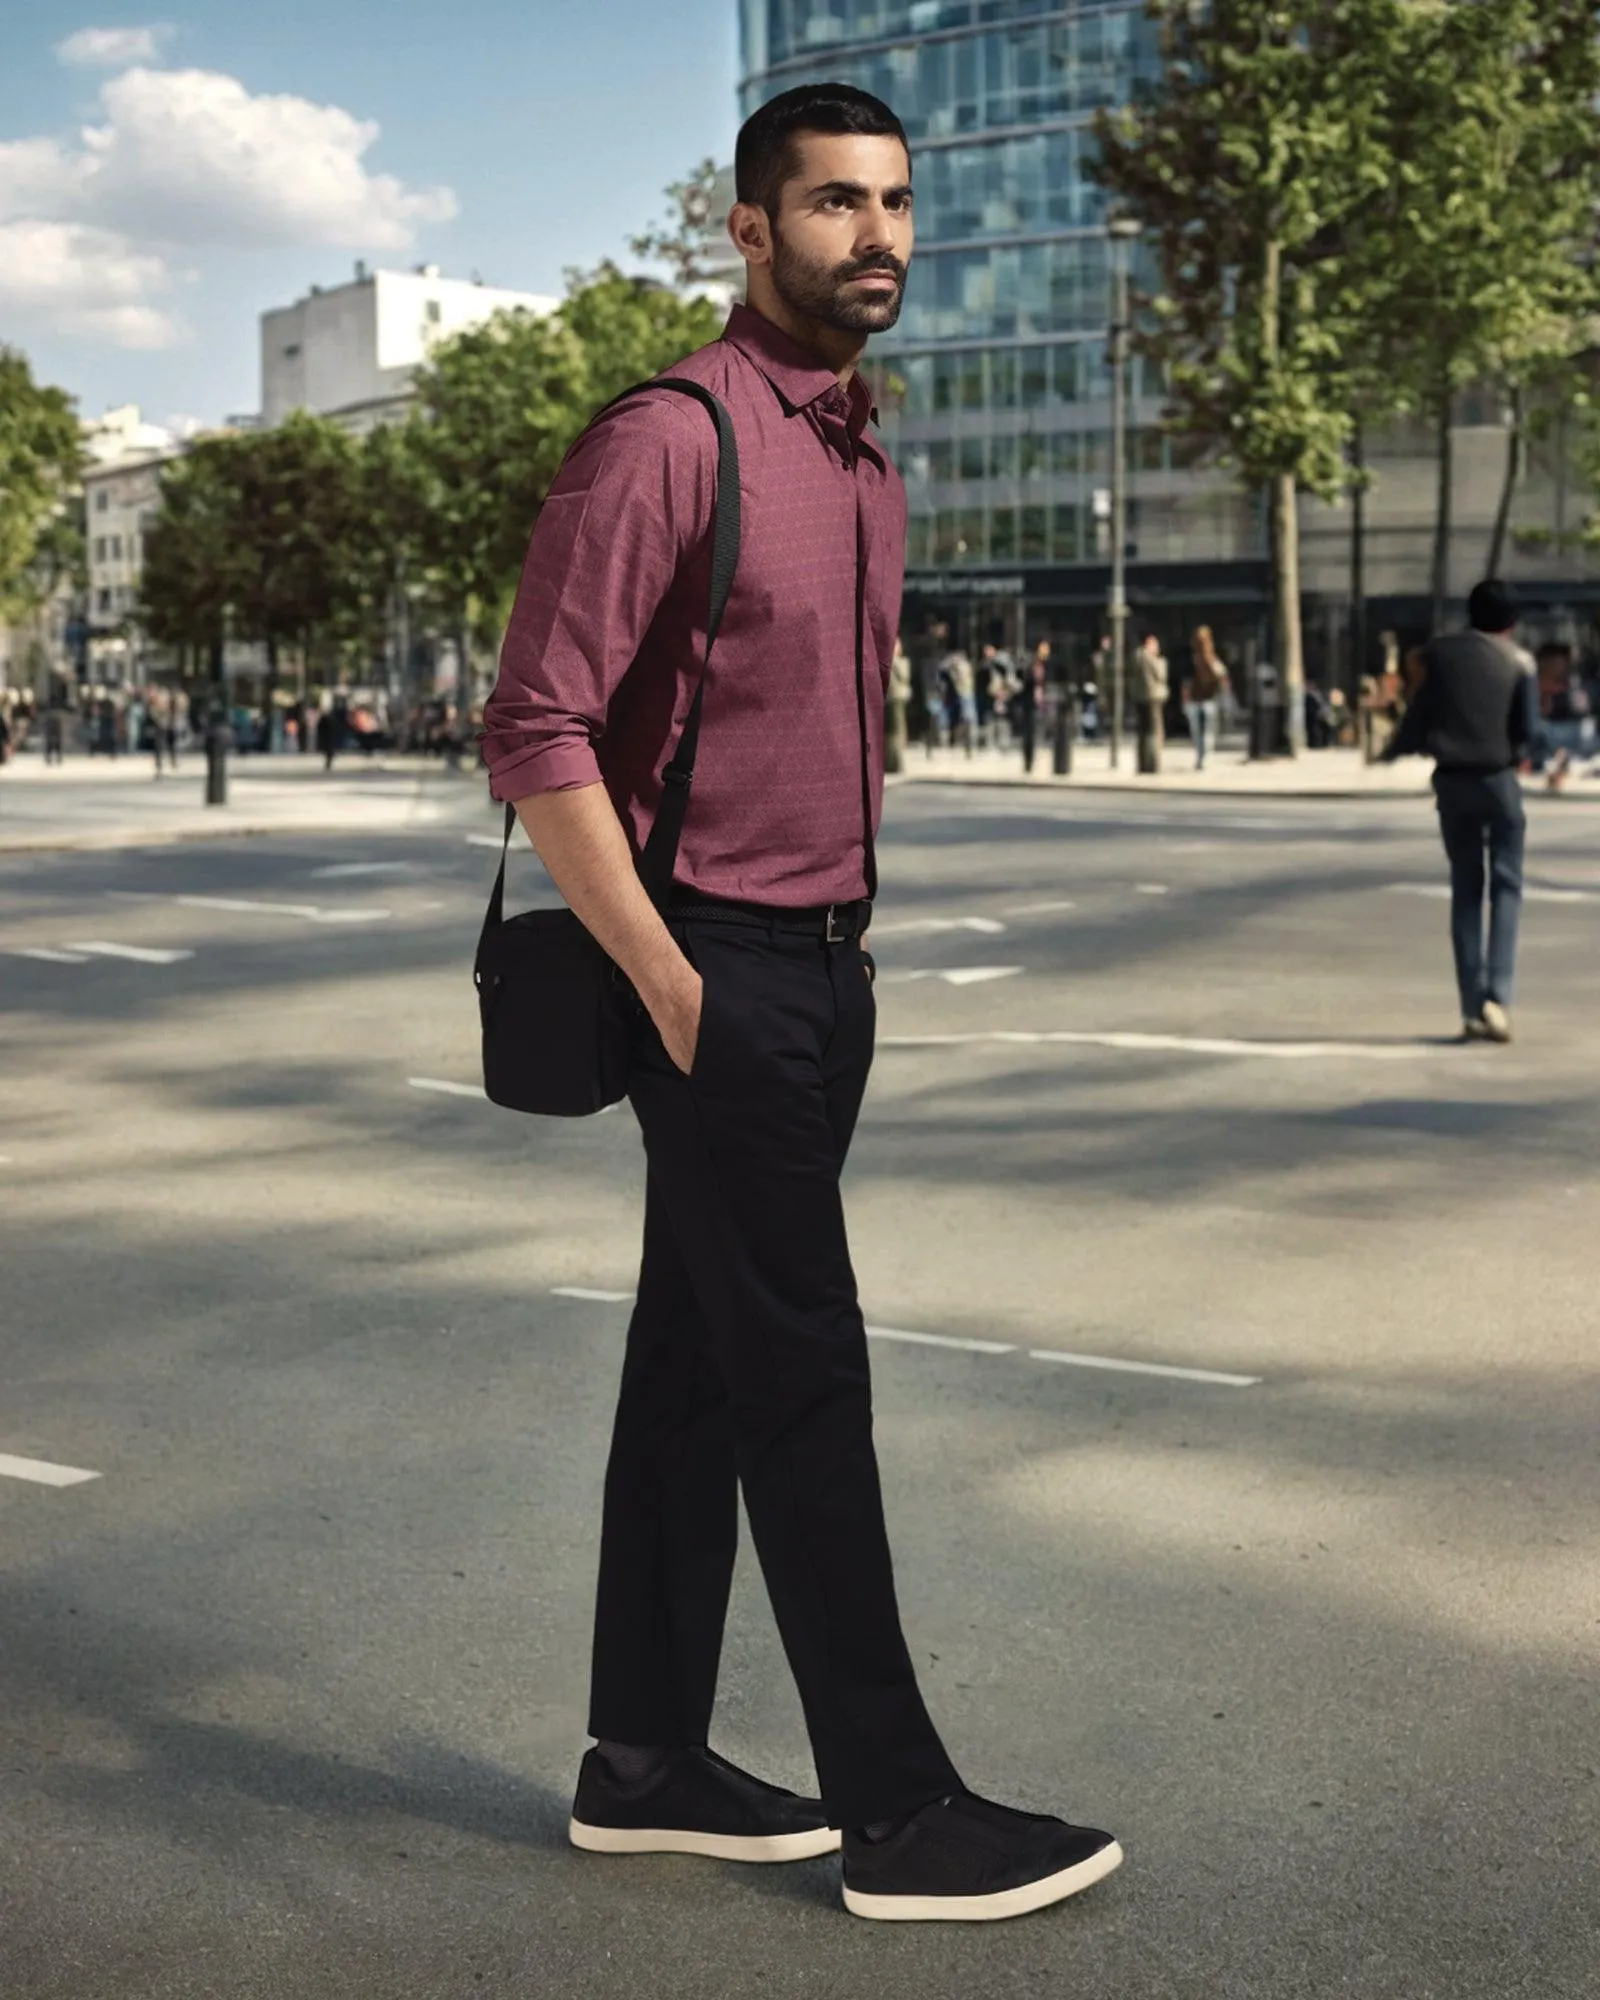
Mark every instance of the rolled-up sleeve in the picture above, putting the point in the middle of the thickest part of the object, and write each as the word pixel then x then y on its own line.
pixel 633 498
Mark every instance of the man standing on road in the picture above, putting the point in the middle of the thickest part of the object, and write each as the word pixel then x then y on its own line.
pixel 1475 712
pixel 747 1360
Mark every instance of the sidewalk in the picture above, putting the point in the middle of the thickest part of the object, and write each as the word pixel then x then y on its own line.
pixel 90 803
pixel 1319 774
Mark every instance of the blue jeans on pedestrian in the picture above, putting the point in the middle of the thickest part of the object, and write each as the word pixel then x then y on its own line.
pixel 1480 813
pixel 1202 727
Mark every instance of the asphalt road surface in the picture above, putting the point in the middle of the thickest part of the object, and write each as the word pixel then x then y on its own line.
pixel 1242 1472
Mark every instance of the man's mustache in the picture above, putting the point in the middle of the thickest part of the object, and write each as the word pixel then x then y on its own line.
pixel 868 266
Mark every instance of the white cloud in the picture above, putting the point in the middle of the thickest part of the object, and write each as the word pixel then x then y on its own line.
pixel 180 161
pixel 84 281
pixel 113 48
pixel 191 157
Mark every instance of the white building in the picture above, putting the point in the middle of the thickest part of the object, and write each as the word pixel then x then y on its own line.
pixel 121 493
pixel 351 352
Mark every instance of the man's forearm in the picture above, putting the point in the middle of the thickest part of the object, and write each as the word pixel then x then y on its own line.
pixel 580 840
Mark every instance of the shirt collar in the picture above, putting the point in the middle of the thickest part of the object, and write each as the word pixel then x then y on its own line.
pixel 794 371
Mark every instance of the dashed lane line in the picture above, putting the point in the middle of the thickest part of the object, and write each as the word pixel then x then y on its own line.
pixel 1041 909
pixel 40 1472
pixel 49 957
pixel 940 1340
pixel 445 1088
pixel 958 975
pixel 1144 1368
pixel 139 954
pixel 339 870
pixel 313 913
pixel 1106 1363
pixel 1127 1039
pixel 929 926
pixel 1440 892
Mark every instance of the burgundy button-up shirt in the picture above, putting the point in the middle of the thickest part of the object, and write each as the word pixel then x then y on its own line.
pixel 605 642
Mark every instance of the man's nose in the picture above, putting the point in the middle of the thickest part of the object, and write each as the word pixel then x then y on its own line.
pixel 877 228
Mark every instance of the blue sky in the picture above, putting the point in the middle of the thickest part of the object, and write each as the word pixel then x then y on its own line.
pixel 166 173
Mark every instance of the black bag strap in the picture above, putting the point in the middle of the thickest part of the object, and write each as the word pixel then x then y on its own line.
pixel 869 849
pixel 660 855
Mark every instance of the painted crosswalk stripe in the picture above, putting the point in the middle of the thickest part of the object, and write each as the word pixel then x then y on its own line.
pixel 140 954
pixel 41 1472
pixel 1143 1368
pixel 940 1340
pixel 589 1292
pixel 1129 1039
pixel 444 1087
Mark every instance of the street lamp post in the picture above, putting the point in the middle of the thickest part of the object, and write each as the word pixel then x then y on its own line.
pixel 1120 232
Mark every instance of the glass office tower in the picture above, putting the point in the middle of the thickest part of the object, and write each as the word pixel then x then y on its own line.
pixel 993 389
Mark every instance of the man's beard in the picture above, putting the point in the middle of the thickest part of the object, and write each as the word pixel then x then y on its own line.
pixel 818 292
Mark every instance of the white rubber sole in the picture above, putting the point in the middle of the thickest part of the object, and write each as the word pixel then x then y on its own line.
pixel 713 1846
pixel 987 1909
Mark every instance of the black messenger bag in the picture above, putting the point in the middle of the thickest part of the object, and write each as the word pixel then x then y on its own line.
pixel 556 1011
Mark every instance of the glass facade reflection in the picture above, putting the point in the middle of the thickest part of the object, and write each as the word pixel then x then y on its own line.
pixel 993 388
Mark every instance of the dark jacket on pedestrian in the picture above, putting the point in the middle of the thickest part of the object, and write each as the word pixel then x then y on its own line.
pixel 1476 710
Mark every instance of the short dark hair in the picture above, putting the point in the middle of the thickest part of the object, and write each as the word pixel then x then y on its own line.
pixel 1492 607
pixel 766 154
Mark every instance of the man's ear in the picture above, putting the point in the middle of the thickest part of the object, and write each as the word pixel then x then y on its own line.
pixel 751 231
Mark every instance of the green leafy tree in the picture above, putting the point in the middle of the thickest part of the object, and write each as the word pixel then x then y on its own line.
pixel 1479 265
pixel 497 408
pixel 1253 162
pixel 41 460
pixel 688 239
pixel 191 554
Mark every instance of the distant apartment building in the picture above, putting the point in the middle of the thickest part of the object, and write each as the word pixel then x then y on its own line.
pixel 351 352
pixel 121 493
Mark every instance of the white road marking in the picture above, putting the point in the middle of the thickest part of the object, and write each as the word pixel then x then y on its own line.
pixel 139 953
pixel 484 840
pixel 968 1346
pixel 50 957
pixel 339 869
pixel 446 1088
pixel 253 907
pixel 926 926
pixel 1440 892
pixel 41 1472
pixel 1150 888
pixel 959 975
pixel 940 1340
pixel 1203 1045
pixel 1040 909
pixel 1144 1368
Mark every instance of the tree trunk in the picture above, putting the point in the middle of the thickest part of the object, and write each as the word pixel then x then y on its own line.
pixel 268 705
pixel 1358 560
pixel 1508 488
pixel 1442 517
pixel 1286 603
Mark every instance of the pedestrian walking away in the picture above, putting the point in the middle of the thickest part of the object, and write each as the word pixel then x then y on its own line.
pixel 1203 692
pixel 746 1362
pixel 1475 711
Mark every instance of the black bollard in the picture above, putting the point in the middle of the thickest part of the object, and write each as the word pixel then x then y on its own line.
pixel 1065 730
pixel 218 737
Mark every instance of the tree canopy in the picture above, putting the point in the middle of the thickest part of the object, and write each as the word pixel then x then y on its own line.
pixel 41 460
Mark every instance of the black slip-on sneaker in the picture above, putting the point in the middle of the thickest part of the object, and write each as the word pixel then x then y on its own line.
pixel 696 1803
pixel 965 1859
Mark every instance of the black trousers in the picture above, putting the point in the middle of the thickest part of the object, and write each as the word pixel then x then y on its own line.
pixel 747 1366
pixel 1479 813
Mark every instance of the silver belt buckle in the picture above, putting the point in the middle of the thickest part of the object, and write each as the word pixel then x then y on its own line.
pixel 830 935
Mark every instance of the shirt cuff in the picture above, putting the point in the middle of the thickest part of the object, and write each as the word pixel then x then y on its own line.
pixel 547 767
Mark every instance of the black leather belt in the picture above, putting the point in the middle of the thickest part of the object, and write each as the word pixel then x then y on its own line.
pixel 834 923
